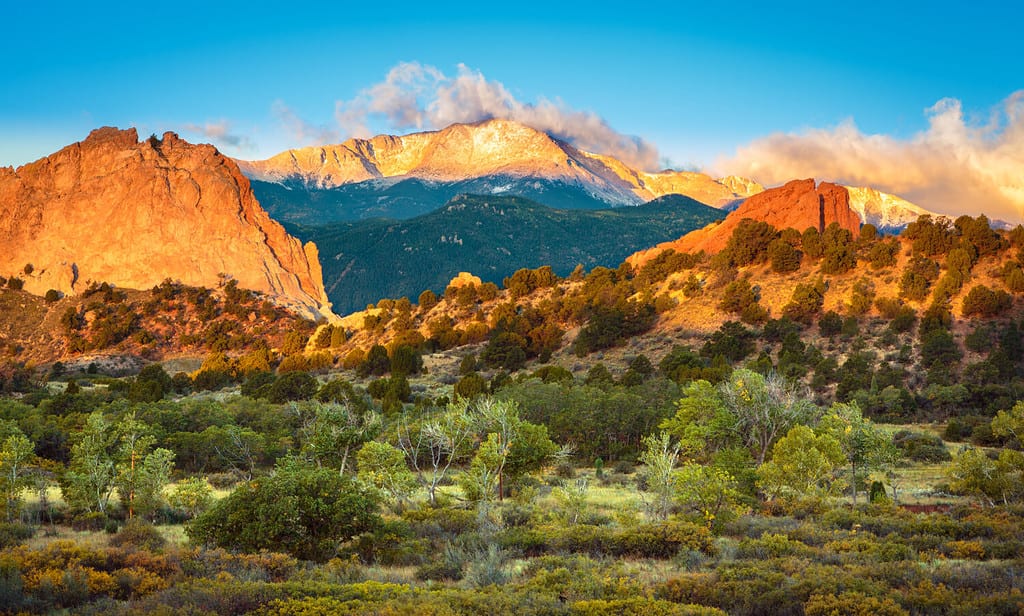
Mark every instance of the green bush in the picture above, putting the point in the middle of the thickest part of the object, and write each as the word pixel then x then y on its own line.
pixel 138 533
pixel 14 533
pixel 302 511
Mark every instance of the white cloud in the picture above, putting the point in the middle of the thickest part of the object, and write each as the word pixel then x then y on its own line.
pixel 302 131
pixel 220 133
pixel 955 166
pixel 421 97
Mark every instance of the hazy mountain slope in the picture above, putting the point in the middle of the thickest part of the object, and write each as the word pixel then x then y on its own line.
pixel 405 198
pixel 888 213
pixel 491 157
pixel 490 236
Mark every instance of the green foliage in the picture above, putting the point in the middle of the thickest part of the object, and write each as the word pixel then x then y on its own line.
pixel 470 386
pixel 599 419
pixel 151 384
pixel 991 481
pixel 710 491
pixel 917 278
pixel 525 281
pixel 330 431
pixel 806 303
pixel 862 297
pixel 192 496
pixel 750 241
pixel 406 361
pixel 985 302
pixel 801 465
pixel 783 257
pixel 88 482
pixel 16 457
pixel 659 458
pixel 377 362
pixel 608 327
pixel 683 365
pixel 763 408
pixel 812 244
pixel 731 341
pixel 921 447
pixel 554 374
pixel 505 350
pixel 741 299
pixel 830 324
pixel 299 510
pixel 291 386
pixel 840 252
pixel 383 466
pixel 139 534
pixel 883 254
pixel 491 234
pixel 866 447
pixel 930 236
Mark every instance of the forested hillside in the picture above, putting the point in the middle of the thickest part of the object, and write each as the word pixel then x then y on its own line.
pixel 491 237
pixel 804 423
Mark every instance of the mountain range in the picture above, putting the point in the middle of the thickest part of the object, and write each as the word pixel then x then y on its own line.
pixel 406 176
pixel 390 213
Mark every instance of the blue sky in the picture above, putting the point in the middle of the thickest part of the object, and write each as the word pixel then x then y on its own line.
pixel 710 86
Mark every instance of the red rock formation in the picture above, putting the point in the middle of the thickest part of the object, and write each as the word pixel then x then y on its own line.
pixel 797 204
pixel 132 213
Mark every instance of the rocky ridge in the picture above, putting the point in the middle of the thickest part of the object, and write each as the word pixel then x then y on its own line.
pixel 500 148
pixel 798 204
pixel 130 213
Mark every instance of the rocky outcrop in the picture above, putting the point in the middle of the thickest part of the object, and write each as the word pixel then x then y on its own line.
pixel 798 204
pixel 493 148
pixel 465 279
pixel 132 213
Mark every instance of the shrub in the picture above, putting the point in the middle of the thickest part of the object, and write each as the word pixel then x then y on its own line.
pixel 292 386
pixel 840 254
pixel 750 241
pixel 302 511
pixel 853 604
pixel 806 302
pixel 985 302
pixel 138 533
pixel 783 257
pixel 921 447
pixel 14 533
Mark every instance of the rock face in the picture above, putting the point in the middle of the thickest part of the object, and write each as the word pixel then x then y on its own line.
pixel 113 209
pixel 797 204
pixel 493 148
pixel 465 279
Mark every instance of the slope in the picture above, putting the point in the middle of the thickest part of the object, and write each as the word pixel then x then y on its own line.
pixel 491 236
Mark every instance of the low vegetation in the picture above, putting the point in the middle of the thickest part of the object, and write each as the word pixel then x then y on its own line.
pixel 556 446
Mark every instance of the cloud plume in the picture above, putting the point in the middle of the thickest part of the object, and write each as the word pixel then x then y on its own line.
pixel 220 133
pixel 955 166
pixel 421 97
pixel 301 130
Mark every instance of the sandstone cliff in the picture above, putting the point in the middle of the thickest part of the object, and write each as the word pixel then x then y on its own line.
pixel 132 213
pixel 797 204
